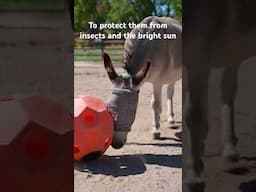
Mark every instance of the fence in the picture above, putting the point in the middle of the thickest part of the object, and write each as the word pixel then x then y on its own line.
pixel 92 50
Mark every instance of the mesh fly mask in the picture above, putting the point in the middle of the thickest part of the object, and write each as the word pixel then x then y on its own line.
pixel 123 105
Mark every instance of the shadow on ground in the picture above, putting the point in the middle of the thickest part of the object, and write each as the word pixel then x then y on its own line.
pixel 125 165
pixel 179 135
pixel 159 144
pixel 176 125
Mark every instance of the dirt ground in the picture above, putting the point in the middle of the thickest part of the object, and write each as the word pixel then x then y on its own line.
pixel 241 176
pixel 143 164
pixel 220 175
pixel 149 165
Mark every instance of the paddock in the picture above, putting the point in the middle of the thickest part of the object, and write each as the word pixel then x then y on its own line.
pixel 143 163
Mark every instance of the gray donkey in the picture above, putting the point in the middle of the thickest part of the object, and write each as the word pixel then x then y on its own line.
pixel 216 34
pixel 157 61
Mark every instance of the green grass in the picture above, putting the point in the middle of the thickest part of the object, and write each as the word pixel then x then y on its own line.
pixel 95 54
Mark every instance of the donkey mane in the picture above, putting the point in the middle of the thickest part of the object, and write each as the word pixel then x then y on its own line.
pixel 132 44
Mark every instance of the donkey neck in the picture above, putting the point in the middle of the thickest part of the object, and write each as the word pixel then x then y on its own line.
pixel 138 59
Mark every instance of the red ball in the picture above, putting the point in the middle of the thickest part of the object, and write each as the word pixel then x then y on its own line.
pixel 94 126
pixel 35 144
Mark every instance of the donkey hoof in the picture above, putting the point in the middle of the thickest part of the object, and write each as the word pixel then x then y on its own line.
pixel 171 120
pixel 230 154
pixel 156 134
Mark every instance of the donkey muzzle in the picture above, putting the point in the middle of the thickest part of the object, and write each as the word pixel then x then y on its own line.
pixel 123 105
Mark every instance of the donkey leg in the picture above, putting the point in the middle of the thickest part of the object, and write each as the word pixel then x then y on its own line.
pixel 228 92
pixel 157 110
pixel 196 124
pixel 170 112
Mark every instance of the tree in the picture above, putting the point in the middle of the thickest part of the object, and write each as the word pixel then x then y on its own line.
pixel 129 11
pixel 168 8
pixel 90 10
pixel 119 11
pixel 177 7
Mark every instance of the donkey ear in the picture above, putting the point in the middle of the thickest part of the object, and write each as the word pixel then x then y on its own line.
pixel 109 67
pixel 140 76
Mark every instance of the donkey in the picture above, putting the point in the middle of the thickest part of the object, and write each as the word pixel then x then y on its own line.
pixel 216 34
pixel 156 61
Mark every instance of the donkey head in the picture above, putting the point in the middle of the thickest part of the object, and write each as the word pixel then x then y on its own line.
pixel 124 99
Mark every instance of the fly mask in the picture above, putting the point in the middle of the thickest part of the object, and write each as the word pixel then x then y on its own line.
pixel 123 105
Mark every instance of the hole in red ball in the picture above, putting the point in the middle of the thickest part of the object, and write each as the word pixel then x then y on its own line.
pixel 90 117
pixel 76 149
pixel 37 149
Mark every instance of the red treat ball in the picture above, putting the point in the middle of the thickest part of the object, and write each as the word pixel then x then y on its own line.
pixel 35 144
pixel 93 129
